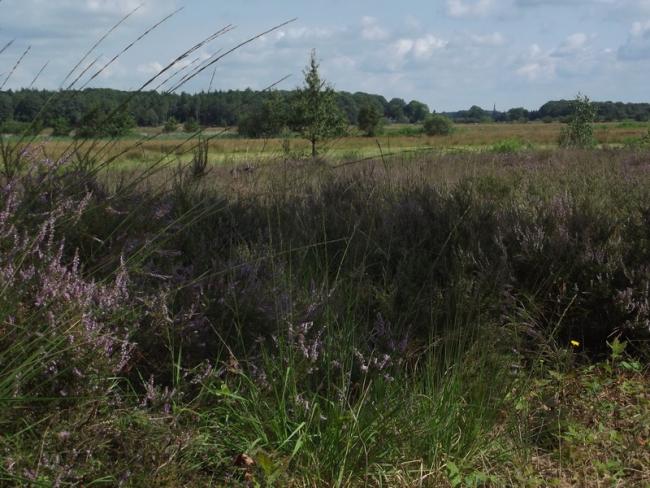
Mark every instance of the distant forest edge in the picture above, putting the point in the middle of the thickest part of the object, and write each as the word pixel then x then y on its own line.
pixel 61 109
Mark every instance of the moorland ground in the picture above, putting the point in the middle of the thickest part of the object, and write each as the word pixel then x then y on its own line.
pixel 473 314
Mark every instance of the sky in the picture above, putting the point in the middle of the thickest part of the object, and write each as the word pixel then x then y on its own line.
pixel 450 54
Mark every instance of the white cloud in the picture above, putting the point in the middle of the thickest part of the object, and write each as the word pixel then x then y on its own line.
pixel 113 7
pixel 425 46
pixel 573 55
pixel 372 31
pixel 571 45
pixel 538 65
pixel 418 49
pixel 298 36
pixel 494 39
pixel 637 47
pixel 150 68
pixel 641 29
pixel 402 47
pixel 464 8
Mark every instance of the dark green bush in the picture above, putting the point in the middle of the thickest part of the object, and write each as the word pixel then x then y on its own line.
pixel 438 125
pixel 61 127
pixel 171 125
pixel 370 120
pixel 508 146
pixel 191 125
pixel 15 127
pixel 103 122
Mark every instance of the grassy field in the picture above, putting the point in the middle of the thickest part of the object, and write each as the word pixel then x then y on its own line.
pixel 149 145
pixel 442 318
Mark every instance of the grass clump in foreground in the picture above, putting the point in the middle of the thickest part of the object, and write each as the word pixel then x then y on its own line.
pixel 397 322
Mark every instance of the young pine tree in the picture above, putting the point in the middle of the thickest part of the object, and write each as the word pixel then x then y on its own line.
pixel 316 115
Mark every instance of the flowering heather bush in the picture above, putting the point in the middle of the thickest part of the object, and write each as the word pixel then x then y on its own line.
pixel 63 334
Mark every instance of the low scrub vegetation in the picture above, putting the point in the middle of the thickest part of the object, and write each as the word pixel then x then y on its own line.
pixel 437 125
pixel 420 319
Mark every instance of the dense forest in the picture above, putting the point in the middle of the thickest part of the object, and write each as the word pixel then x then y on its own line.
pixel 224 108
pixel 64 110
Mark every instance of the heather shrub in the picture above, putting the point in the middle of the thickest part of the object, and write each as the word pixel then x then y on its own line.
pixel 298 327
pixel 570 244
pixel 66 333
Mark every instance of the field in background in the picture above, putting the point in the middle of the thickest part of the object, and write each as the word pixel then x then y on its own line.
pixel 227 148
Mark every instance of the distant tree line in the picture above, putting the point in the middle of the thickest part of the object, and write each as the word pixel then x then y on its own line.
pixel 256 113
pixel 67 110
pixel 554 111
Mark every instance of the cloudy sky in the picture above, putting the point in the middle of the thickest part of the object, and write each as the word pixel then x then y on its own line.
pixel 448 53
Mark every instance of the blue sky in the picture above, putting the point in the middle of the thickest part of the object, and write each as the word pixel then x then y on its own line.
pixel 448 53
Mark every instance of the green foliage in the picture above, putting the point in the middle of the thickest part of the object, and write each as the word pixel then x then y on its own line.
pixel 579 132
pixel 416 111
pixel 6 108
pixel 171 125
pixel 201 158
pixel 316 115
pixel 395 111
pixel 20 128
pixel 519 114
pixel 475 115
pixel 149 118
pixel 631 124
pixel 508 146
pixel 407 130
pixel 348 105
pixel 645 140
pixel 438 125
pixel 639 143
pixel 191 125
pixel 267 119
pixel 61 127
pixel 574 422
pixel 370 120
pixel 226 108
pixel 105 122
